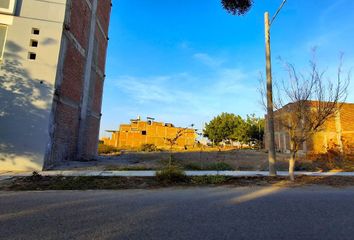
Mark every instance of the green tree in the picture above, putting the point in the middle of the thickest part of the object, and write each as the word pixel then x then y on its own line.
pixel 255 129
pixel 224 127
pixel 231 127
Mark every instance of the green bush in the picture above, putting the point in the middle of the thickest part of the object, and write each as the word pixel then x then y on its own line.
pixel 148 147
pixel 105 149
pixel 221 166
pixel 193 166
pixel 35 176
pixel 212 179
pixel 218 166
pixel 304 166
pixel 171 174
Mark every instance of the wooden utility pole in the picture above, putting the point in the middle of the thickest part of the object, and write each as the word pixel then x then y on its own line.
pixel 240 8
pixel 270 115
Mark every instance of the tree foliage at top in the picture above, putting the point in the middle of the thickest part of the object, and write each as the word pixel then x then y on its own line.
pixel 231 127
pixel 237 7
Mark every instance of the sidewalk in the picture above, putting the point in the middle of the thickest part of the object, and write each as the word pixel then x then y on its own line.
pixel 7 175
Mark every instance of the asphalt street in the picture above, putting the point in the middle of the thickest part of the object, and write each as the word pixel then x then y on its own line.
pixel 180 213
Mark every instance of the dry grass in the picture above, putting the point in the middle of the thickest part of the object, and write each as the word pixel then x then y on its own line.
pixel 105 149
pixel 235 159
pixel 38 182
pixel 242 160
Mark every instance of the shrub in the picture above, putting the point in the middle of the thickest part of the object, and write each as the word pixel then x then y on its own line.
pixel 35 177
pixel 218 166
pixel 148 147
pixel 105 149
pixel 326 163
pixel 304 166
pixel 211 179
pixel 221 166
pixel 171 174
pixel 332 159
pixel 193 166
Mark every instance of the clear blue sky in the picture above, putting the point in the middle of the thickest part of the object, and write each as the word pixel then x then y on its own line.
pixel 184 61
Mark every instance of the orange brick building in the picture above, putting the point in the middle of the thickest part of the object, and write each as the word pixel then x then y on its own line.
pixel 139 132
pixel 337 132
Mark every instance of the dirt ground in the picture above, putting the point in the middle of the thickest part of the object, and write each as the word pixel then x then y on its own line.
pixel 241 160
pixel 40 183
pixel 237 159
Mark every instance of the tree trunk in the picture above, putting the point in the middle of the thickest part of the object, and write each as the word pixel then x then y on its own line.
pixel 292 166
pixel 170 158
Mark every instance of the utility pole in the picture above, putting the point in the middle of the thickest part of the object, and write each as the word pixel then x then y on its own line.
pixel 238 7
pixel 270 115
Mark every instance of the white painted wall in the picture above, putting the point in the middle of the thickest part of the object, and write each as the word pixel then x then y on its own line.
pixel 26 86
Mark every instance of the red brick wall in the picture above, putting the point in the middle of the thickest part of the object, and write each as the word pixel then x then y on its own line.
pixel 65 135
pixel 328 136
pixel 73 72
pixel 97 80
pixel 347 117
pixel 80 17
pixel 70 84
pixel 91 141
pixel 97 95
pixel 102 48
pixel 347 124
pixel 103 14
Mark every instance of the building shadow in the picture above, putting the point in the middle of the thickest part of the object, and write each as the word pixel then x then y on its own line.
pixel 24 110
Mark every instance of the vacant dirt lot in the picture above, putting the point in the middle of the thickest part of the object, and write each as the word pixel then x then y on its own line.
pixel 236 159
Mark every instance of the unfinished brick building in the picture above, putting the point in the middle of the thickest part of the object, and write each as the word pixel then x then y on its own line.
pixel 137 133
pixel 336 133
pixel 52 70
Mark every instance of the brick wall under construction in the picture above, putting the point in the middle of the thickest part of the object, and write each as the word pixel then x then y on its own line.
pixel 137 133
pixel 336 133
pixel 76 110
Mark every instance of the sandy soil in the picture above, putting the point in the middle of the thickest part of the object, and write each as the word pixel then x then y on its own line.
pixel 237 159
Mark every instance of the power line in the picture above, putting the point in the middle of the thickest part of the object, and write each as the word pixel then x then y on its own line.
pixel 276 14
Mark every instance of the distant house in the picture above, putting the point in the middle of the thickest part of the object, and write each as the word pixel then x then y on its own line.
pixel 337 132
pixel 137 133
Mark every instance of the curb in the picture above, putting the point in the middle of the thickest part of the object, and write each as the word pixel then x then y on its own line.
pixel 7 175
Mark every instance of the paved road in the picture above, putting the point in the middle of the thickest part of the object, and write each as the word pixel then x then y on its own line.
pixel 180 213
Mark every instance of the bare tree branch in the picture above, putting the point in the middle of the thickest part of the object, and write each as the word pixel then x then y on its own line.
pixel 311 101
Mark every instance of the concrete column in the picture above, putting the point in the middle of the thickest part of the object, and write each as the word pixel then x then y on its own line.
pixel 325 141
pixel 304 147
pixel 339 130
pixel 284 141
